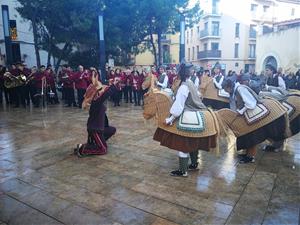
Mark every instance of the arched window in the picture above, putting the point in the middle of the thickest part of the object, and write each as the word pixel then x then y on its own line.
pixel 271 60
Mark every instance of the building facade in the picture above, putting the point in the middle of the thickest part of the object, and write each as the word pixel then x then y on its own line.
pixel 21 36
pixel 170 52
pixel 281 48
pixel 228 29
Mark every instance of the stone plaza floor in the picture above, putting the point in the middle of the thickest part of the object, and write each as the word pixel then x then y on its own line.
pixel 41 182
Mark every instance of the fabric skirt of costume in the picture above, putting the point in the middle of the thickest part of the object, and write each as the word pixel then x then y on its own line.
pixel 215 104
pixel 184 144
pixel 274 131
pixel 295 125
pixel 96 143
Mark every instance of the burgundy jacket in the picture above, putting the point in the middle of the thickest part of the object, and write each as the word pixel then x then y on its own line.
pixel 96 120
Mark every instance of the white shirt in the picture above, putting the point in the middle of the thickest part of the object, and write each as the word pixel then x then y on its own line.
pixel 181 97
pixel 165 83
pixel 248 99
pixel 281 82
pixel 219 84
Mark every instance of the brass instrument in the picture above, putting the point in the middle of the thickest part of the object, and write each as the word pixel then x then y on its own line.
pixel 29 78
pixel 14 81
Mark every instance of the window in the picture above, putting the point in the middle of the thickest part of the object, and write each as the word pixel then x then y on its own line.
pixel 193 54
pixel 198 31
pixel 206 26
pixel 197 49
pixel 236 50
pixel 192 34
pixel 215 28
pixel 252 50
pixel 253 7
pixel 205 47
pixel 293 12
pixel 189 54
pixel 187 37
pixel 237 30
pixel 215 6
pixel 267 29
pixel 266 8
pixel 252 31
pixel 214 46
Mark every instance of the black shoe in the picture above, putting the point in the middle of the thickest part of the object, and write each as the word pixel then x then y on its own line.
pixel 119 104
pixel 193 167
pixel 178 173
pixel 247 159
pixel 269 148
pixel 241 156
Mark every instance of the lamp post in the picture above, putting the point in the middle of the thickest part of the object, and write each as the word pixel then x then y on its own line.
pixel 7 38
pixel 102 47
pixel 182 37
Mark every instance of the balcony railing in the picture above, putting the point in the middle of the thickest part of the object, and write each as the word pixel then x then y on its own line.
pixel 205 33
pixel 209 54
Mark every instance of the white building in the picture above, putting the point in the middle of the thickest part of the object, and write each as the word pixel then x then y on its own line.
pixel 228 28
pixel 280 47
pixel 22 43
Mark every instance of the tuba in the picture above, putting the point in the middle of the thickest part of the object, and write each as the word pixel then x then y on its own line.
pixel 13 81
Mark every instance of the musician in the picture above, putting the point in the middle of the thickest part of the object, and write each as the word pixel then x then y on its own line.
pixel 137 81
pixel 61 74
pixel 81 78
pixel 23 70
pixel 51 86
pixel 39 83
pixel 117 75
pixel 98 127
pixel 128 89
pixel 163 79
pixel 1 83
pixel 246 99
pixel 68 84
pixel 30 82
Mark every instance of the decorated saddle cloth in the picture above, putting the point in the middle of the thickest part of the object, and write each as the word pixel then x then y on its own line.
pixel 223 93
pixel 192 121
pixel 256 114
pixel 289 107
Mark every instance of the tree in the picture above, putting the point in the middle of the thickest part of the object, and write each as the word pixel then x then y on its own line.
pixel 163 17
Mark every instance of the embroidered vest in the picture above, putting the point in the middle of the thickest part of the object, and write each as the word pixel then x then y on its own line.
pixel 239 101
pixel 273 81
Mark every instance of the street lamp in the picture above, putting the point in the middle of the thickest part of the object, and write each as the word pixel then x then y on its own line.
pixel 182 38
pixel 7 38
pixel 102 47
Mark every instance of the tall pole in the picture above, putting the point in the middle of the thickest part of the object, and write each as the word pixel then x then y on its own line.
pixel 182 38
pixel 7 37
pixel 102 48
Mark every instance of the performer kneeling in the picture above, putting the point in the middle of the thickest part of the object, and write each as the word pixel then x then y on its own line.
pixel 98 128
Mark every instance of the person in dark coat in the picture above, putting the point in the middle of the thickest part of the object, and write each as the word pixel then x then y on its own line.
pixel 98 128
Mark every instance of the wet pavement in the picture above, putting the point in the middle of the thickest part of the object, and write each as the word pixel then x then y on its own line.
pixel 41 182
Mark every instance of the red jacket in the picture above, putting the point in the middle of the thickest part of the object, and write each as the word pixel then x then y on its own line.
pixel 50 79
pixel 38 79
pixel 67 79
pixel 81 80
pixel 137 82
pixel 128 80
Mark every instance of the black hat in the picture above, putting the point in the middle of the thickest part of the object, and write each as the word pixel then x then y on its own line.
pixel 271 67
pixel 217 65
pixel 245 77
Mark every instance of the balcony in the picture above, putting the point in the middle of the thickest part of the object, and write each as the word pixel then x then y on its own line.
pixel 205 34
pixel 209 54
